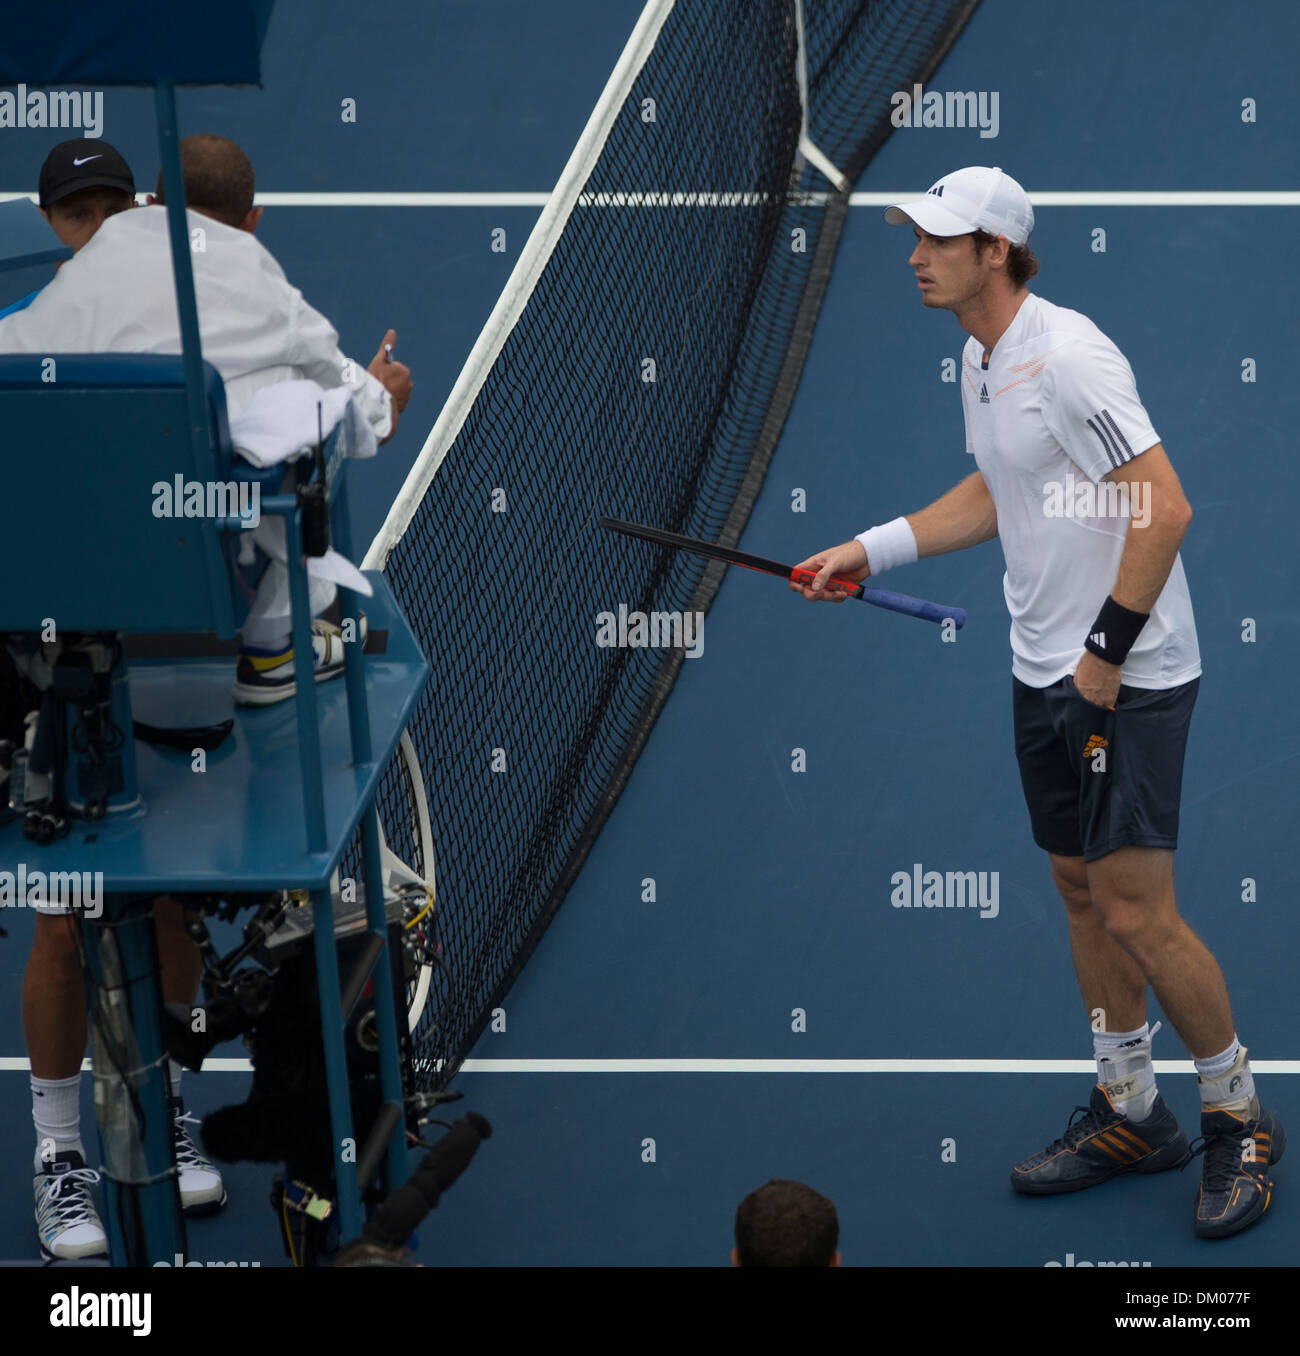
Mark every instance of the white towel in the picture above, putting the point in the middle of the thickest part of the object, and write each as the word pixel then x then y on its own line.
pixel 280 422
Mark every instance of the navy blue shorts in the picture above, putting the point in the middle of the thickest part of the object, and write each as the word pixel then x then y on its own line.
pixel 1095 779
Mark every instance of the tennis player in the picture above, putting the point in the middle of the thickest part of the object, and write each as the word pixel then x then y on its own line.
pixel 1105 670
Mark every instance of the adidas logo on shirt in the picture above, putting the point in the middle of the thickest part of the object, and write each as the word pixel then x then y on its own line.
pixel 984 393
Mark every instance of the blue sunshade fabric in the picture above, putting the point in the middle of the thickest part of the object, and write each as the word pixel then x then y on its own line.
pixel 135 42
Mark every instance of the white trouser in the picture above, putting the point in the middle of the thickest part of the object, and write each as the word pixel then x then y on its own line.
pixel 268 625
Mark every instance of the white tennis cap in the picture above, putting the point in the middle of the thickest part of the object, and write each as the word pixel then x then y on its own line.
pixel 973 199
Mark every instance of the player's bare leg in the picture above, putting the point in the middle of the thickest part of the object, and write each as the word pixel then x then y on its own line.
pixel 54 1024
pixel 54 1017
pixel 182 966
pixel 54 1005
pixel 1127 1127
pixel 1110 980
pixel 53 1000
pixel 1133 892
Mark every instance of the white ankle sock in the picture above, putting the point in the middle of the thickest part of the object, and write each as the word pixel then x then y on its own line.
pixel 56 1110
pixel 1225 1079
pixel 1125 1071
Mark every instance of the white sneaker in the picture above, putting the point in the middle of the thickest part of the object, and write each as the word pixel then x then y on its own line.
pixel 202 1190
pixel 67 1222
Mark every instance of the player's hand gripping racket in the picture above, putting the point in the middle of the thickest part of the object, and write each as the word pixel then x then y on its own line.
pixel 894 602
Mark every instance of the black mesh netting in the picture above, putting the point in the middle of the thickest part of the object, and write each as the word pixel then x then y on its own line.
pixel 693 258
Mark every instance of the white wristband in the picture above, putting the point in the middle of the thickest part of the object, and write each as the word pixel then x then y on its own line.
pixel 888 545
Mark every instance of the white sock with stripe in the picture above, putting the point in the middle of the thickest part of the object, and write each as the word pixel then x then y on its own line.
pixel 1125 1071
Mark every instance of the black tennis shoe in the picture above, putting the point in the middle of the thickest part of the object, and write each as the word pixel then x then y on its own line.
pixel 1099 1143
pixel 1236 1187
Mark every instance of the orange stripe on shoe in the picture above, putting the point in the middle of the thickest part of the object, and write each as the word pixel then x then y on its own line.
pixel 1126 1135
pixel 1115 1138
pixel 1114 1152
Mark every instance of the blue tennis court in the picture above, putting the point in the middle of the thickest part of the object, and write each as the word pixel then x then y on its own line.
pixel 763 1009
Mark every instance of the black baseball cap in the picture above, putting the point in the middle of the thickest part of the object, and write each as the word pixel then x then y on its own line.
pixel 84 162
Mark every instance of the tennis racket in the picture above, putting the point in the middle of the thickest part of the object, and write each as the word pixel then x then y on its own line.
pixel 892 602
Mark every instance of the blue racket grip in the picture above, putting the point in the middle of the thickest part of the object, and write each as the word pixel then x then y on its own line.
pixel 913 607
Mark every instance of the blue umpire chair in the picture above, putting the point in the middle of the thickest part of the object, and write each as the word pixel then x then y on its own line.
pixel 89 440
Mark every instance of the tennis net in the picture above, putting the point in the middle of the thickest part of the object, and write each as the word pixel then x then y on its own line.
pixel 639 363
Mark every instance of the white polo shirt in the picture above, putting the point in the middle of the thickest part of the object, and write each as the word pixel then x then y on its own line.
pixel 1051 413
pixel 117 295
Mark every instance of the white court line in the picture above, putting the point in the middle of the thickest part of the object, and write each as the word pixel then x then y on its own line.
pixel 402 199
pixel 1125 198
pixel 375 199
pixel 1046 198
pixel 822 1066
pixel 752 1066
pixel 14 1064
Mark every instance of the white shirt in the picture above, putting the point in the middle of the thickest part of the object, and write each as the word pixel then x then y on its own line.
pixel 117 295
pixel 1053 411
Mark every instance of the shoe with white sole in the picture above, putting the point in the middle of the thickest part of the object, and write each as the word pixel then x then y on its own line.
pixel 202 1190
pixel 67 1222
pixel 264 677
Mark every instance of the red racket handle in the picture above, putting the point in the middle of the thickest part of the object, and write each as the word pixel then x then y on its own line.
pixel 806 577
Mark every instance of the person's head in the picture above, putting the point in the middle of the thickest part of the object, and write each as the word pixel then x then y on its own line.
pixel 218 180
pixel 83 182
pixel 972 233
pixel 786 1224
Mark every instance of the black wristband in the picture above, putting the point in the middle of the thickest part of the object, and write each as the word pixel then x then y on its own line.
pixel 1114 632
